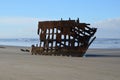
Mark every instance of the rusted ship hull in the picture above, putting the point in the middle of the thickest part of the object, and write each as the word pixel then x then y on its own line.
pixel 64 37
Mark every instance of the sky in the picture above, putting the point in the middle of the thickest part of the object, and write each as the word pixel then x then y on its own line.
pixel 19 18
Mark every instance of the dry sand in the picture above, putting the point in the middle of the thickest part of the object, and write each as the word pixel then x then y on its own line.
pixel 99 64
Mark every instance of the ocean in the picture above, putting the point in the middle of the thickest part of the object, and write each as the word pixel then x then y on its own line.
pixel 98 43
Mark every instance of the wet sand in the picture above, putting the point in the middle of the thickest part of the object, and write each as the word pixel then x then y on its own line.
pixel 98 64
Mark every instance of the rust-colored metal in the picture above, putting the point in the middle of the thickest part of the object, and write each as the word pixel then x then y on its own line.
pixel 64 37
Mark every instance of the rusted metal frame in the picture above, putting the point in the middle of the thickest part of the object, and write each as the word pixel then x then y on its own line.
pixel 82 42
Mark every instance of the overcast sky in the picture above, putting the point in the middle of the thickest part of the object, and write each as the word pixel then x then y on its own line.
pixel 19 18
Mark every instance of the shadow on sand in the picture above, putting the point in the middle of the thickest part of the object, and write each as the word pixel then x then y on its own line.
pixel 100 55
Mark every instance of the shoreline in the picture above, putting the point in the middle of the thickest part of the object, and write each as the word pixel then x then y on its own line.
pixel 29 47
pixel 91 52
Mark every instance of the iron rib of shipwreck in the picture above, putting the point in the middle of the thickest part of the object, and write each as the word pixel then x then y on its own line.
pixel 64 37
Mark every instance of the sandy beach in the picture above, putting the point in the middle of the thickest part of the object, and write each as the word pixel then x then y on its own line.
pixel 98 64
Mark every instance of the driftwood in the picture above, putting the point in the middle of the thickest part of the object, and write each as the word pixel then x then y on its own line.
pixel 64 37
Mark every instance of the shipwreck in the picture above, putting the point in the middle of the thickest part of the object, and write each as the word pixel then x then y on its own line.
pixel 63 37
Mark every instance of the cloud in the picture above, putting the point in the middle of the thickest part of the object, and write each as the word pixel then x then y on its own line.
pixel 108 23
pixel 20 20
pixel 16 20
pixel 18 27
pixel 109 28
pixel 27 27
pixel 11 27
